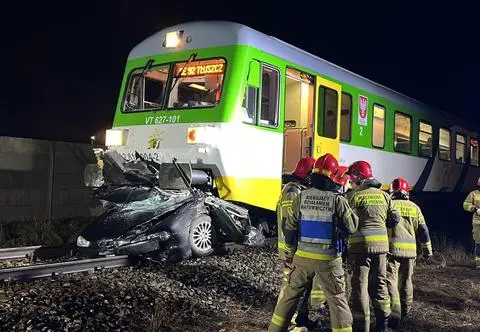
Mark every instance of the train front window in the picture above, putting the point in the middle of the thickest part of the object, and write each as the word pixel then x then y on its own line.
pixel 146 89
pixel 199 84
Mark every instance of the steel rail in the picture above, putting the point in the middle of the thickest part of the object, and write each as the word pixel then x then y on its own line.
pixel 52 269
pixel 82 265
pixel 17 253
pixel 233 245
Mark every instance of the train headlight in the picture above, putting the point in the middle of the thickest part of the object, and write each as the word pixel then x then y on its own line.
pixel 116 137
pixel 203 135
pixel 172 39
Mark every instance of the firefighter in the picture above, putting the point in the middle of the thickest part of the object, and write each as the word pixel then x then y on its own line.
pixel 368 247
pixel 472 204
pixel 344 182
pixel 403 250
pixel 343 179
pixel 317 214
pixel 296 182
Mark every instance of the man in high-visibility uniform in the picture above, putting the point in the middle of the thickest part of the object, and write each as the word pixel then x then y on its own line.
pixel 403 250
pixel 317 215
pixel 296 182
pixel 472 204
pixel 368 247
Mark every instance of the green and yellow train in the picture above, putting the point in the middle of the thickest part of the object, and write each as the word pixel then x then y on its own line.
pixel 243 107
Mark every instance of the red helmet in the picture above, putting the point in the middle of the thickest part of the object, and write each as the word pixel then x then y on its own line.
pixel 401 185
pixel 360 170
pixel 304 167
pixel 341 178
pixel 326 165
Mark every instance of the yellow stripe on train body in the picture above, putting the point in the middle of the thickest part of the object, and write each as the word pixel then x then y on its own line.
pixel 259 192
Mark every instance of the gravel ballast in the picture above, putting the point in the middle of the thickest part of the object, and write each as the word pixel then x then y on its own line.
pixel 216 292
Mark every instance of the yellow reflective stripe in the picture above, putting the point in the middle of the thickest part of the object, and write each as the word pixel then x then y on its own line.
pixel 400 245
pixel 468 206
pixel 383 304
pixel 277 320
pixel 317 291
pixel 477 258
pixel 427 246
pixel 294 317
pixel 369 238
pixel 342 329
pixel 396 299
pixel 306 254
pixel 282 245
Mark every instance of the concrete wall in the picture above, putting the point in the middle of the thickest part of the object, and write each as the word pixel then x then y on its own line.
pixel 43 179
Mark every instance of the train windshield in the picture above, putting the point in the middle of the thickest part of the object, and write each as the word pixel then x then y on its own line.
pixel 181 85
pixel 199 84
pixel 146 88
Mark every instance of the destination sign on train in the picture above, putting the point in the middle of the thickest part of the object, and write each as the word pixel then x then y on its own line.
pixel 199 70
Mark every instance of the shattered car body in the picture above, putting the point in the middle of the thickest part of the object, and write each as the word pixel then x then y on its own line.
pixel 154 209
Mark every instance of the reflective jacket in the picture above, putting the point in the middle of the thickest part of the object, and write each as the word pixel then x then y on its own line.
pixel 471 203
pixel 311 231
pixel 375 212
pixel 402 237
pixel 284 207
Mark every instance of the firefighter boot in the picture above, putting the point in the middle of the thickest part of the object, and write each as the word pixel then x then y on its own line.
pixel 382 325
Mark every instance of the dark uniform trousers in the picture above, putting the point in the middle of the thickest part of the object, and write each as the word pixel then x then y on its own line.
pixel 331 276
pixel 400 285
pixel 365 265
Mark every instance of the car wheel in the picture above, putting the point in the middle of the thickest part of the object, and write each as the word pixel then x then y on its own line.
pixel 202 236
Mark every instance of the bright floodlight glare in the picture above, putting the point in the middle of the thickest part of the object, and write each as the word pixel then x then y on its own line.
pixel 172 39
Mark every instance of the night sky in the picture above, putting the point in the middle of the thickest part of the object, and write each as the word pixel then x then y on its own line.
pixel 63 63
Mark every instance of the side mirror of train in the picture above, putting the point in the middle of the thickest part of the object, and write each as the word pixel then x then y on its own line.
pixel 253 76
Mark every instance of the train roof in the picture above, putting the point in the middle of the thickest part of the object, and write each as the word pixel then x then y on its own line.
pixel 223 33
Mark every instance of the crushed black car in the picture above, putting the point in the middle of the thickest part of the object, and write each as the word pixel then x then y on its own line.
pixel 156 209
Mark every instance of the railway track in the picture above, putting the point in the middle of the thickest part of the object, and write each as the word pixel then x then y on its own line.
pixel 36 271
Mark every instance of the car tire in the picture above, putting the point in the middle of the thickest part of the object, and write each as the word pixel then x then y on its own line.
pixel 202 236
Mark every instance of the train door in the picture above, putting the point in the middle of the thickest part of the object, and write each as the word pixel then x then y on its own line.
pixel 299 109
pixel 326 136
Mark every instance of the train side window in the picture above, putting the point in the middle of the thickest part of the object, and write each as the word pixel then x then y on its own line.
pixel 346 118
pixel 328 104
pixel 444 144
pixel 403 133
pixel 425 132
pixel 249 105
pixel 460 148
pixel 269 97
pixel 474 151
pixel 378 133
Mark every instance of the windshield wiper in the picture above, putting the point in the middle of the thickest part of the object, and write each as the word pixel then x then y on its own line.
pixel 144 70
pixel 177 76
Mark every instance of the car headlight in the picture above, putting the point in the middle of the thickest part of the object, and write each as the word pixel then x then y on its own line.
pixel 82 242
